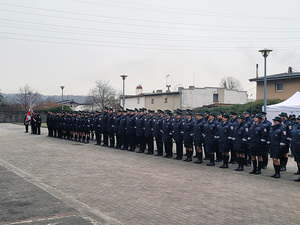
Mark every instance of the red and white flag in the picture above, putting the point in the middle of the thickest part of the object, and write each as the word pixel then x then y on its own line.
pixel 29 115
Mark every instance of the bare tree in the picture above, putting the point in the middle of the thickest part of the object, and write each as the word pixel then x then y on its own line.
pixel 102 95
pixel 27 96
pixel 230 83
pixel 1 100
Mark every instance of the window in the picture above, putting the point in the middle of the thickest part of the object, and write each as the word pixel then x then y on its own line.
pixel 166 100
pixel 152 101
pixel 279 86
pixel 215 97
pixel 138 100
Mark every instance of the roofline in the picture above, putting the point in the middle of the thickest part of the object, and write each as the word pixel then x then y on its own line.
pixel 280 76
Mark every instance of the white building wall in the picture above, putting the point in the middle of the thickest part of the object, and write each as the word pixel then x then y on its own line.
pixel 235 97
pixel 134 102
pixel 193 98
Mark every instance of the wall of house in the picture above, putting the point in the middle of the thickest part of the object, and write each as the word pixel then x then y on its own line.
pixel 234 97
pixel 132 102
pixel 289 88
pixel 173 102
pixel 197 97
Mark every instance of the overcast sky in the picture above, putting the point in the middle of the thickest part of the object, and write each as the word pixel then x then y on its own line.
pixel 48 43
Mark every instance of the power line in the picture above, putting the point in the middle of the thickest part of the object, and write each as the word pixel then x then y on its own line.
pixel 142 20
pixel 127 24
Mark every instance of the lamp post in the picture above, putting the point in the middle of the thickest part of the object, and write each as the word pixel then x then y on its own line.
pixel 123 78
pixel 265 52
pixel 62 97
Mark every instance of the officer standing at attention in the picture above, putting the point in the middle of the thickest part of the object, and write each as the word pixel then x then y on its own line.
pixel 130 131
pixel 249 121
pixel 167 135
pixel 239 140
pixel 198 136
pixel 157 132
pixel 257 141
pixel 288 128
pixel 188 133
pixel 104 126
pixel 110 128
pixel 178 135
pixel 224 134
pixel 267 125
pixel 117 128
pixel 122 130
pixel 140 131
pixel 295 145
pixel 233 122
pixel 210 130
pixel 38 123
pixel 277 143
pixel 149 123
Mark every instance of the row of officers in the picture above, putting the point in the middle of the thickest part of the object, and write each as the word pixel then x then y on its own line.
pixel 243 139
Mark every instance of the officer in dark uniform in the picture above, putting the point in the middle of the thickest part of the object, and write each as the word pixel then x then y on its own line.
pixel 117 129
pixel 104 127
pixel 26 124
pixel 207 154
pixel 140 131
pixel 33 123
pixel 233 122
pixel 87 129
pixel 249 121
pixel 157 132
pixel 38 122
pixel 267 125
pixel 210 138
pixel 239 142
pixel 167 135
pixel 130 131
pixel 97 127
pixel 198 136
pixel 149 123
pixel 219 157
pixel 110 128
pixel 257 141
pixel 288 128
pixel 295 145
pixel 188 133
pixel 177 134
pixel 277 136
pixel 224 134
pixel 122 130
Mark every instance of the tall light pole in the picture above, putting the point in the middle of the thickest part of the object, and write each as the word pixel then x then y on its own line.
pixel 265 52
pixel 62 98
pixel 123 78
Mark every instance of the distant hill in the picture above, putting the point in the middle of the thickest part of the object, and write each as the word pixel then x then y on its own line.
pixel 76 98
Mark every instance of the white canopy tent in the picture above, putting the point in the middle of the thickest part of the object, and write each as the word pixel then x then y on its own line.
pixel 290 106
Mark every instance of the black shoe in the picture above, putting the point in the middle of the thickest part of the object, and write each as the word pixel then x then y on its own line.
pixel 283 168
pixel 158 154
pixel 199 161
pixel 298 172
pixel 239 168
pixel 224 166
pixel 169 157
pixel 257 172
pixel 273 175
pixel 179 158
pixel 206 158
pixel 218 160
pixel 195 156
pixel 253 171
pixel 210 164
pixel 140 151
pixel 264 167
pixel 149 153
pixel 277 175
pixel 188 159
pixel 234 162
pixel 248 164
pixel 298 180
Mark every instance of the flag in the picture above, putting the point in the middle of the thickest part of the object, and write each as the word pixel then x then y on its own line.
pixel 29 115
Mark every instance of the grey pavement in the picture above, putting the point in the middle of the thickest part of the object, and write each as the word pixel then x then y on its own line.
pixel 51 181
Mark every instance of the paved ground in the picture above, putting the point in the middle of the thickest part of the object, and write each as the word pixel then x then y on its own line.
pixel 50 181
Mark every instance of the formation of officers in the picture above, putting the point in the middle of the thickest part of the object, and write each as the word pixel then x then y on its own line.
pixel 244 139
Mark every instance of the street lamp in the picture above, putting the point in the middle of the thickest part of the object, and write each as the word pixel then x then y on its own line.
pixel 62 97
pixel 265 52
pixel 123 78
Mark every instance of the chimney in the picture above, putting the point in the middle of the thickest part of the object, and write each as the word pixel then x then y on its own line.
pixel 256 70
pixel 191 87
pixel 290 70
pixel 139 90
pixel 159 91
